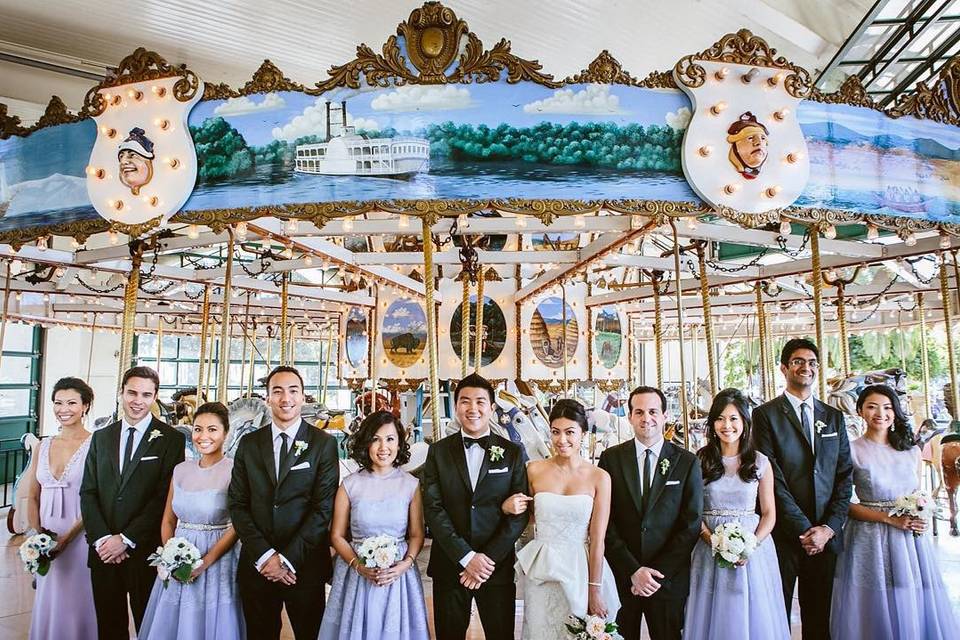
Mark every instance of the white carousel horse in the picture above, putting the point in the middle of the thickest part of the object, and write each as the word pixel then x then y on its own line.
pixel 843 394
pixel 512 421
pixel 17 516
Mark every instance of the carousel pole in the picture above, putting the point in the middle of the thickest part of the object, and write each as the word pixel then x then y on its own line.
pixel 948 326
pixel 159 341
pixel 657 329
pixel 924 360
pixel 903 346
pixel 6 308
pixel 844 340
pixel 327 364
pixel 253 361
pixel 374 372
pixel 225 328
pixel 129 313
pixel 465 327
pixel 683 370
pixel 762 340
pixel 478 339
pixel 563 323
pixel 428 284
pixel 707 319
pixel 204 327
pixel 283 318
pixel 817 307
pixel 246 341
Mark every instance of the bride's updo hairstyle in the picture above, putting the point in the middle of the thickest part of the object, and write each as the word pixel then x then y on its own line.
pixel 571 410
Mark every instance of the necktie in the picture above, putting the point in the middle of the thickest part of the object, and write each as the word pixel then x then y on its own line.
pixel 283 449
pixel 805 423
pixel 483 442
pixel 647 466
pixel 128 448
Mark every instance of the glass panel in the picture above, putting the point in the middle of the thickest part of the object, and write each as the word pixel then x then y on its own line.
pixel 188 374
pixel 15 370
pixel 169 346
pixel 236 348
pixel 146 346
pixel 307 350
pixel 14 402
pixel 18 337
pixel 168 374
pixel 234 375
pixel 311 376
pixel 190 347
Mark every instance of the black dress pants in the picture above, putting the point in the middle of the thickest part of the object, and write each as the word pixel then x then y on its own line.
pixel 451 609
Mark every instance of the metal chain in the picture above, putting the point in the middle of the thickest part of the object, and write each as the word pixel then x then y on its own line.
pixel 95 290
pixel 782 243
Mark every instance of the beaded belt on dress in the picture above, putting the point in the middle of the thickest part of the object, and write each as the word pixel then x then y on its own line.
pixel 729 512
pixel 882 504
pixel 202 527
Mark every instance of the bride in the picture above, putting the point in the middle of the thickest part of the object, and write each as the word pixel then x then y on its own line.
pixel 564 565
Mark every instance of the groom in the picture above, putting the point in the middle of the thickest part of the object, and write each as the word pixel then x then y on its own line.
pixel 655 511
pixel 466 478
pixel 806 442
pixel 122 496
pixel 281 502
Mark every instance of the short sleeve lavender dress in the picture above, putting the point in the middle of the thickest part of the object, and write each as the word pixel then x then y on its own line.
pixel 744 602
pixel 63 608
pixel 356 608
pixel 887 583
pixel 208 607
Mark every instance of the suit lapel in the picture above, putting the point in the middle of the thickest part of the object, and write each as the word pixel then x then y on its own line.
pixel 144 445
pixel 266 453
pixel 459 456
pixel 631 473
pixel 485 464
pixel 113 437
pixel 667 452
pixel 819 415
pixel 304 434
pixel 791 414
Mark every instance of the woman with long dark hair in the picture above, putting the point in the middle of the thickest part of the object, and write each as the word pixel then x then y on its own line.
pixel 887 583
pixel 746 600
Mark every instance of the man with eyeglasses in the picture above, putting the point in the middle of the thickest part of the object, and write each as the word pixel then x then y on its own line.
pixel 806 442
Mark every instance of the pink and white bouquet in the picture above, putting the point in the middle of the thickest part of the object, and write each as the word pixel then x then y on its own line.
pixel 36 552
pixel 379 552
pixel 176 559
pixel 918 504
pixel 592 628
pixel 732 544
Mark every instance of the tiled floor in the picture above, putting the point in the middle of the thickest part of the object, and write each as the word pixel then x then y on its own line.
pixel 16 593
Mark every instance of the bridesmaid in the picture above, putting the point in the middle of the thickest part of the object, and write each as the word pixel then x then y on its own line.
pixel 887 583
pixel 744 601
pixel 209 605
pixel 63 608
pixel 380 499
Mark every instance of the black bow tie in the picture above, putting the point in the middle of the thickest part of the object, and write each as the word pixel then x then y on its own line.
pixel 483 441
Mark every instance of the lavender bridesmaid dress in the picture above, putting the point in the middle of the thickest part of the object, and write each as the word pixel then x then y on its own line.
pixel 887 583
pixel 208 607
pixel 356 608
pixel 745 602
pixel 63 608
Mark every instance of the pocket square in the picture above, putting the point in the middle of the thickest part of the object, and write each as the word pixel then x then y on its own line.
pixel 829 435
pixel 504 470
pixel 670 483
pixel 302 465
pixel 148 458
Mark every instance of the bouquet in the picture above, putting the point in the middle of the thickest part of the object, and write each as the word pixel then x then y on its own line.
pixel 731 544
pixel 379 552
pixel 36 552
pixel 918 504
pixel 592 628
pixel 177 559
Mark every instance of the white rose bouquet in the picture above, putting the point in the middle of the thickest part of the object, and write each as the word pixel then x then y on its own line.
pixel 176 559
pixel 732 544
pixel 379 552
pixel 918 504
pixel 592 628
pixel 36 552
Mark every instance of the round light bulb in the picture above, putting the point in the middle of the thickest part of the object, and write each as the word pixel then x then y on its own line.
pixel 873 232
pixel 718 108
pixel 705 151
pixel 830 232
pixel 785 227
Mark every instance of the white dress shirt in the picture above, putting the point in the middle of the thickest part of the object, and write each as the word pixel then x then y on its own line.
pixel 641 453
pixel 275 431
pixel 797 405
pixel 474 456
pixel 140 429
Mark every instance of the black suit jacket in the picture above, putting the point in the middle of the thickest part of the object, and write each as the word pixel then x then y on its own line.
pixel 462 520
pixel 810 490
pixel 290 513
pixel 663 537
pixel 130 503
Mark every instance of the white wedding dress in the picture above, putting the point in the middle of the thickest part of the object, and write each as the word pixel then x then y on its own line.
pixel 555 566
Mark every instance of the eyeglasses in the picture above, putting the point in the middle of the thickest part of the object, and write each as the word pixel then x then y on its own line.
pixel 799 362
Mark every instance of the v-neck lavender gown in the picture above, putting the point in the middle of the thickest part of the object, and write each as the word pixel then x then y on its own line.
pixel 63 608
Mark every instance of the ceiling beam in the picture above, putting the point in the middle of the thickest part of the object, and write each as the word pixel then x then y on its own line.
pixel 175 243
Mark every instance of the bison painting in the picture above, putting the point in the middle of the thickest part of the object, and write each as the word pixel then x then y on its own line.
pixel 406 341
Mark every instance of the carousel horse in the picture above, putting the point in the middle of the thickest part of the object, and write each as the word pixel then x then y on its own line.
pixel 17 515
pixel 843 394
pixel 512 419
pixel 950 464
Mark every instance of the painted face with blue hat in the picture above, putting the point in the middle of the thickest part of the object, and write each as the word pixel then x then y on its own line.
pixel 135 156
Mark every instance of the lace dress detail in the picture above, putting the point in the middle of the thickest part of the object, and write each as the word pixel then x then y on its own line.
pixel 555 565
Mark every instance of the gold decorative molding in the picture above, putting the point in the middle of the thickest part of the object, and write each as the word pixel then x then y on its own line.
pixel 269 78
pixel 659 80
pixel 432 34
pixel 851 92
pixel 81 230
pixel 137 230
pixel 400 384
pixel 610 385
pixel 939 101
pixel 605 69
pixel 141 66
pixel 55 113
pixel 743 47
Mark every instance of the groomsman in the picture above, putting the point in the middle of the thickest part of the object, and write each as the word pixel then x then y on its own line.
pixel 466 478
pixel 122 496
pixel 656 507
pixel 281 502
pixel 806 442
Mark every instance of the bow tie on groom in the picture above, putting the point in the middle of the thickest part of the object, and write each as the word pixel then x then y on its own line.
pixel 483 442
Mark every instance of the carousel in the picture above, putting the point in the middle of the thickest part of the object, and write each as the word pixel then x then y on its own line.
pixel 438 205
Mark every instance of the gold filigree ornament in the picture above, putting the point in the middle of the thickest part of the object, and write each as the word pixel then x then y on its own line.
pixel 55 113
pixel 743 47
pixel 142 66
pixel 851 92
pixel 939 101
pixel 605 69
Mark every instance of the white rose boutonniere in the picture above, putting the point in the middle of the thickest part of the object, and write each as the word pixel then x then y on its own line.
pixel 496 453
pixel 664 466
pixel 819 426
pixel 299 446
pixel 154 434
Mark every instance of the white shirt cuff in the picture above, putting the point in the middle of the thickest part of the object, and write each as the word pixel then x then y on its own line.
pixel 128 541
pixel 465 560
pixel 267 555
pixel 100 541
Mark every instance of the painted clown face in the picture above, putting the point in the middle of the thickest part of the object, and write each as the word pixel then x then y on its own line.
pixel 135 170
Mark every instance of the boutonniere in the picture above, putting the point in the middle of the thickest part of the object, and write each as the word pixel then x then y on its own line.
pixel 154 434
pixel 299 446
pixel 496 453
pixel 819 426
pixel 664 466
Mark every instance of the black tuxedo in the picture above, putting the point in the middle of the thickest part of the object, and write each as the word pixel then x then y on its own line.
pixel 290 514
pixel 131 504
pixel 661 537
pixel 462 520
pixel 810 490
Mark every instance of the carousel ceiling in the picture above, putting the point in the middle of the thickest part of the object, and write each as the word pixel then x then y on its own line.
pixel 62 46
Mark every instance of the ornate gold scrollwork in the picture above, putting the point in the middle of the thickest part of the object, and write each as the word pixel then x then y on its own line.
pixel 141 66
pixel 81 229
pixel 55 113
pixel 137 230
pixel 609 386
pixel 605 69
pixel 432 34
pixel 851 92
pixel 939 101
pixel 743 47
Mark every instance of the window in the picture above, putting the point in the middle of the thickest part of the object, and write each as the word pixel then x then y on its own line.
pixel 19 385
